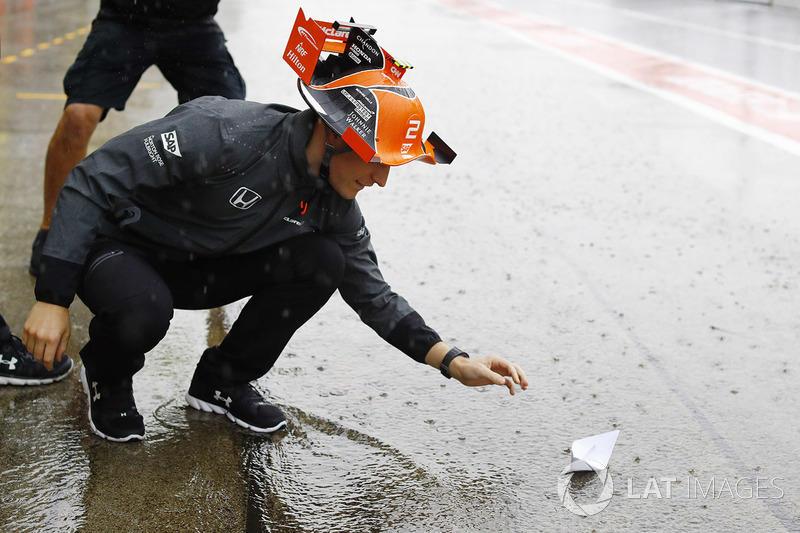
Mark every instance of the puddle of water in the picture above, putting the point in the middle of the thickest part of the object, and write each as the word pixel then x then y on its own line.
pixel 322 476
pixel 45 467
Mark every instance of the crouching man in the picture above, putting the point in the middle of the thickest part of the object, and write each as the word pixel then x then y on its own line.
pixel 222 200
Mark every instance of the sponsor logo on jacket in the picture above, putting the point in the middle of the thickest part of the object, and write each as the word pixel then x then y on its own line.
pixel 152 151
pixel 170 142
pixel 244 198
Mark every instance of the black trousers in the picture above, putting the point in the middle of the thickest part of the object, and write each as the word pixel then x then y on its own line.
pixel 132 295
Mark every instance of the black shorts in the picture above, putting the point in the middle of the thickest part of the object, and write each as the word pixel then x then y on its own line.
pixel 192 57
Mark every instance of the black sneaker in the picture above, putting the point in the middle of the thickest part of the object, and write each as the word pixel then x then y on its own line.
pixel 242 404
pixel 36 252
pixel 112 410
pixel 18 366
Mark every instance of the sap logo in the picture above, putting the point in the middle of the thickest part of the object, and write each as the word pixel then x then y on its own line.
pixel 170 142
pixel 244 198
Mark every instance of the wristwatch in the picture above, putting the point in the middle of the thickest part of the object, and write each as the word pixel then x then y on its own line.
pixel 444 367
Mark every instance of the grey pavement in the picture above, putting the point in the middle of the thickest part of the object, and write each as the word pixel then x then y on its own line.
pixel 638 257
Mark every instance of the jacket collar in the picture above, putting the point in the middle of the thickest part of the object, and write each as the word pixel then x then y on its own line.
pixel 301 126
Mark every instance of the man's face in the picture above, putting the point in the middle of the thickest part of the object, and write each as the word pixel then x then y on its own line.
pixel 349 174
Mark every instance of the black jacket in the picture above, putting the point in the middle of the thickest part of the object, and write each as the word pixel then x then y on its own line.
pixel 218 177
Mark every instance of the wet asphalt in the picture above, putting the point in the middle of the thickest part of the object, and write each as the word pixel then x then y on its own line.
pixel 636 255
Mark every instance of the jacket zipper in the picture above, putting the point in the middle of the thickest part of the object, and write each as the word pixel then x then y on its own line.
pixel 101 259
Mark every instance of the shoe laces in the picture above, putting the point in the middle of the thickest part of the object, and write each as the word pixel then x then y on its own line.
pixel 116 395
pixel 248 393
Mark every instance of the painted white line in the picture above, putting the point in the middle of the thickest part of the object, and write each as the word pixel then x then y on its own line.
pixel 764 112
pixel 677 23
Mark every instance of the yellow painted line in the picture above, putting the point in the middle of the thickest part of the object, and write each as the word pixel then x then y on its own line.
pixel 44 46
pixel 41 96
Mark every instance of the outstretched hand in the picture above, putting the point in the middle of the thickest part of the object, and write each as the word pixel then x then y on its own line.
pixel 489 370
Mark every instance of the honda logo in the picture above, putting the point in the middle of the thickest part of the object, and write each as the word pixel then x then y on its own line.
pixel 244 198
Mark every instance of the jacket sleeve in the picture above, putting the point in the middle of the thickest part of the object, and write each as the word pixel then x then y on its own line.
pixel 154 155
pixel 386 312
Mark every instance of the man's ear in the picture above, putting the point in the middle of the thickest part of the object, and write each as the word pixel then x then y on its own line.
pixel 334 140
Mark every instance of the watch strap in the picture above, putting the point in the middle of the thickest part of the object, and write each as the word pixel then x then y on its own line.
pixel 454 352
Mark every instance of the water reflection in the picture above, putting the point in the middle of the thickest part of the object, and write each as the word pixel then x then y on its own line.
pixel 43 479
pixel 322 476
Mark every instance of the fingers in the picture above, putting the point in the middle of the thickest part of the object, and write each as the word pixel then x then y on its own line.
pixel 29 339
pixel 512 370
pixel 510 384
pixel 46 332
pixel 62 346
pixel 45 350
pixel 523 380
pixel 490 370
pixel 497 379
pixel 518 376
pixel 49 354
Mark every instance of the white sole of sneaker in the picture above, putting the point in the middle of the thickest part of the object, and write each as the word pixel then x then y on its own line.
pixel 200 405
pixel 96 431
pixel 7 380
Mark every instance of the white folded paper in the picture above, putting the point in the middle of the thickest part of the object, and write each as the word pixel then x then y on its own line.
pixel 593 453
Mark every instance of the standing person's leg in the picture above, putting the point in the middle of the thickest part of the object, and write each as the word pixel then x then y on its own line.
pixel 132 309
pixel 287 284
pixel 195 60
pixel 104 74
pixel 67 148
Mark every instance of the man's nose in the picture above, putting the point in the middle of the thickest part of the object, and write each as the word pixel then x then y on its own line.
pixel 381 175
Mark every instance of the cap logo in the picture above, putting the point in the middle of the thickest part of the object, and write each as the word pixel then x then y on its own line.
pixel 413 128
pixel 305 33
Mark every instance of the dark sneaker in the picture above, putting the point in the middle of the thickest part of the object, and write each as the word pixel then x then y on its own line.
pixel 112 410
pixel 18 366
pixel 242 404
pixel 36 252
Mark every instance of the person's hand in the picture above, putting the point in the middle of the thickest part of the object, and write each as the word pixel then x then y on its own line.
pixel 489 370
pixel 46 332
